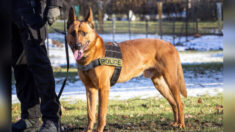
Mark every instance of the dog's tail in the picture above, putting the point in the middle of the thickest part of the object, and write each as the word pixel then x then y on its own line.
pixel 182 86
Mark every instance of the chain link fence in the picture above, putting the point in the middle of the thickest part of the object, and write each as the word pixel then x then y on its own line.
pixel 160 17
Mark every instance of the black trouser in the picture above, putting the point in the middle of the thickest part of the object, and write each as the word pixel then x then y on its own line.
pixel 34 79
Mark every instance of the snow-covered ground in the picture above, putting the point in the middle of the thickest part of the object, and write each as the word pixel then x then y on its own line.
pixel 203 43
pixel 210 82
pixel 58 57
pixel 207 49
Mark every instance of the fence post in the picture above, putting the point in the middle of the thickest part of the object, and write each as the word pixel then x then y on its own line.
pixel 159 6
pixel 129 27
pixel 130 14
pixel 197 30
pixel 197 5
pixel 146 28
pixel 219 15
pixel 146 25
pixel 173 28
pixel 100 16
pixel 113 26
pixel 186 28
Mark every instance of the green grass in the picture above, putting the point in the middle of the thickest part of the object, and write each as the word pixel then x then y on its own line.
pixel 140 27
pixel 218 67
pixel 61 72
pixel 204 113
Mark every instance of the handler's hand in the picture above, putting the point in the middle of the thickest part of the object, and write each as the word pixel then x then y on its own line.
pixel 52 15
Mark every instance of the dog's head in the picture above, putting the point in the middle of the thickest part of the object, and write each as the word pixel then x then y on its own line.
pixel 81 35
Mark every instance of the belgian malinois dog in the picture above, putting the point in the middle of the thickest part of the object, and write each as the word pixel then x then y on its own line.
pixel 155 58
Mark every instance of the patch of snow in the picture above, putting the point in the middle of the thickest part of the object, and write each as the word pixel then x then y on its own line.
pixel 206 43
pixel 58 57
pixel 203 43
pixel 201 57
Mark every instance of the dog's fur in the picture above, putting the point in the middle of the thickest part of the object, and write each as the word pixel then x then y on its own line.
pixel 156 59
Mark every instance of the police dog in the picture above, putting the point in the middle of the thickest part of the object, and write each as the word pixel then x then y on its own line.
pixel 156 59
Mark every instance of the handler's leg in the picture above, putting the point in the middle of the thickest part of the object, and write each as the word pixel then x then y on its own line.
pixel 33 38
pixel 25 88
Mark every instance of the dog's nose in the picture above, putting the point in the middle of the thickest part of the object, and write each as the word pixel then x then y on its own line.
pixel 77 46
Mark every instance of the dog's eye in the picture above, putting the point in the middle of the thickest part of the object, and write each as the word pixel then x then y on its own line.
pixel 73 33
pixel 83 33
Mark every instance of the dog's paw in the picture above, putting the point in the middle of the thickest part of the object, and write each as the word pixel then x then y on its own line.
pixel 174 124
pixel 181 125
pixel 88 130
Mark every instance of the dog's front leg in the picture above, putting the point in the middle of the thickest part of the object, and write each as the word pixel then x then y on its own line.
pixel 103 104
pixel 91 94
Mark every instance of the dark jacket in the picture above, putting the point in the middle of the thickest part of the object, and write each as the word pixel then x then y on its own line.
pixel 32 11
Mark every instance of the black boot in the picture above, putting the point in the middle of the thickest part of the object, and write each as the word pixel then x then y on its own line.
pixel 50 126
pixel 26 125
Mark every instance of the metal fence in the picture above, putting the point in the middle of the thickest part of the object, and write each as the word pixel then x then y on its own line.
pixel 160 17
pixel 191 20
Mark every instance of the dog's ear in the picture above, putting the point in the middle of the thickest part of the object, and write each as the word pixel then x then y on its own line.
pixel 89 18
pixel 72 17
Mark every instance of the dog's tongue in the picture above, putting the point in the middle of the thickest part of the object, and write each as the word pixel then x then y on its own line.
pixel 78 54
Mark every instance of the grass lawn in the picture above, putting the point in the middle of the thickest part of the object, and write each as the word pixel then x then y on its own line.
pixel 204 113
pixel 140 27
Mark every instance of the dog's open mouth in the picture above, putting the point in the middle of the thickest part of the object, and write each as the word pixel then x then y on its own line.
pixel 78 54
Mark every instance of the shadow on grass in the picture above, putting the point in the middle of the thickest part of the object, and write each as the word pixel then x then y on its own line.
pixel 149 122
